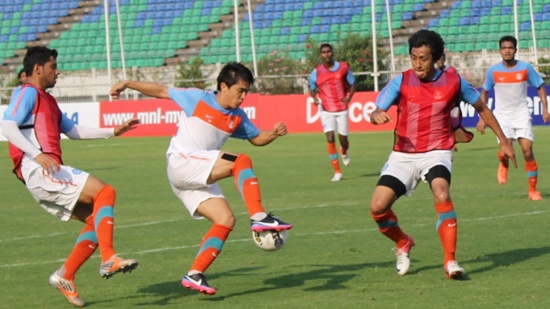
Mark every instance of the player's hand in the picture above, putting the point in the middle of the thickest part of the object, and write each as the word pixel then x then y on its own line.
pixel 316 101
pixel 546 117
pixel 116 89
pixel 480 127
pixel 280 129
pixel 49 164
pixel 507 151
pixel 379 117
pixel 126 126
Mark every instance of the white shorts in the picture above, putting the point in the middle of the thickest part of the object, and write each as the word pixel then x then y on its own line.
pixel 188 174
pixel 337 121
pixel 518 129
pixel 57 193
pixel 409 168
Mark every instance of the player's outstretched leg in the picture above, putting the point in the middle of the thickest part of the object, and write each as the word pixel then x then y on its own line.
pixel 103 214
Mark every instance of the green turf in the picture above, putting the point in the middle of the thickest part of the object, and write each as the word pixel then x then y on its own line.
pixel 335 257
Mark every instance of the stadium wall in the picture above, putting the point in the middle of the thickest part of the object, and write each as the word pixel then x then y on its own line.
pixel 160 117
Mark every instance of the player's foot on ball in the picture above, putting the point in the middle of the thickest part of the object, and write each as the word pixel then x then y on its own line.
pixel 269 223
pixel 197 282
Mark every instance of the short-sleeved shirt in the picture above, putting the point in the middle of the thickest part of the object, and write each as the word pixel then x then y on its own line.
pixel 389 95
pixel 205 125
pixel 510 85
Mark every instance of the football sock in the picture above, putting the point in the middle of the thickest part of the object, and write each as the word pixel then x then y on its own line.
pixel 502 159
pixel 532 174
pixel 333 157
pixel 387 224
pixel 446 227
pixel 247 184
pixel 210 248
pixel 85 246
pixel 104 202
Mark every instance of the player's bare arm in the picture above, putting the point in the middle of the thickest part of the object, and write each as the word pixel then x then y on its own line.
pixel 485 113
pixel 379 116
pixel 347 98
pixel 149 89
pixel 267 136
pixel 480 126
pixel 544 103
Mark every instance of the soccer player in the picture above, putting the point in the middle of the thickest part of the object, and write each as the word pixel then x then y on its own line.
pixel 510 79
pixel 196 161
pixel 424 139
pixel 333 82
pixel 33 123
pixel 440 64
pixel 21 76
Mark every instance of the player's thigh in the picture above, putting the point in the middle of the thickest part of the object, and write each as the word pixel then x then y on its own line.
pixel 328 120
pixel 191 170
pixel 193 198
pixel 218 211
pixel 342 121
pixel 56 193
pixel 402 167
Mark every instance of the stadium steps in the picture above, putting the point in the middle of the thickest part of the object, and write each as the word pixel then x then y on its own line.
pixel 193 47
pixel 420 20
pixel 54 31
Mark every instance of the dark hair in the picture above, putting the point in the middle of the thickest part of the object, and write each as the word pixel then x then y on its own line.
pixel 508 38
pixel 20 72
pixel 37 55
pixel 325 45
pixel 429 38
pixel 232 73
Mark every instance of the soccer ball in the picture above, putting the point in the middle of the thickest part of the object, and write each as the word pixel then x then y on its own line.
pixel 270 240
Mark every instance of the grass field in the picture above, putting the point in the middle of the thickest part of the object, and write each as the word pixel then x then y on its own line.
pixel 335 256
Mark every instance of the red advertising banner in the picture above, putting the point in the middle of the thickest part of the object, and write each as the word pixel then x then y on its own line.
pixel 160 117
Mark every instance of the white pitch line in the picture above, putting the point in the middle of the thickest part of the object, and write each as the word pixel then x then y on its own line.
pixel 248 239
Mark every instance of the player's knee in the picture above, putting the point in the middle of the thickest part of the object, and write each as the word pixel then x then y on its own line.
pixel 228 220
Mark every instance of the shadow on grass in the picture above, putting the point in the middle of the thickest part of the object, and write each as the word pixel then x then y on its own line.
pixel 501 259
pixel 335 277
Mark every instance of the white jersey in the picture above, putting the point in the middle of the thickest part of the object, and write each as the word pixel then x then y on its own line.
pixel 205 125
pixel 510 85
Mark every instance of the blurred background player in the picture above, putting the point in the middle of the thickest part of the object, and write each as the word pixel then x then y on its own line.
pixel 510 79
pixel 333 82
pixel 22 76
pixel 32 124
pixel 196 163
pixel 422 149
pixel 440 64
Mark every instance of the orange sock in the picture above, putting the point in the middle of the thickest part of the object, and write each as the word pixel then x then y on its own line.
pixel 85 246
pixel 333 156
pixel 211 246
pixel 104 202
pixel 532 174
pixel 387 224
pixel 247 184
pixel 446 227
